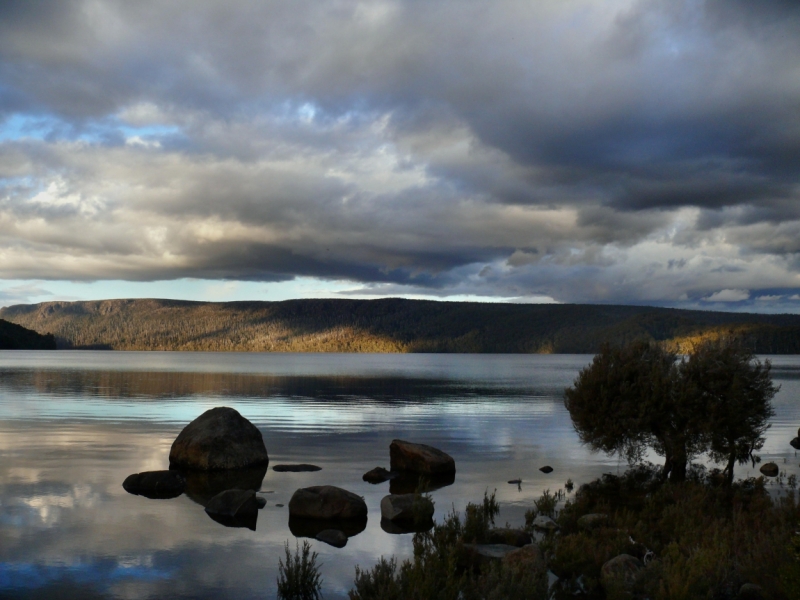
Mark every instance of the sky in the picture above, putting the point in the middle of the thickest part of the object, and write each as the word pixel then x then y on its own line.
pixel 575 151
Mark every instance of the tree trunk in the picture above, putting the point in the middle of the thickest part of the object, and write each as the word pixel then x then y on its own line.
pixel 678 471
pixel 728 470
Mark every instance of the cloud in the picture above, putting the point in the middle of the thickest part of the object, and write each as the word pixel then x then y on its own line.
pixel 625 151
pixel 729 296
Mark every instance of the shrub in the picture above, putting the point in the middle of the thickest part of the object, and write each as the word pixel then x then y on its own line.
pixel 299 577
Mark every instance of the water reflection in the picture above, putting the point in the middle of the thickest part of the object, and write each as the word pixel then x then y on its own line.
pixel 73 426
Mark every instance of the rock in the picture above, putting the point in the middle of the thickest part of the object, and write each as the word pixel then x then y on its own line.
pixel 311 528
pixel 419 458
pixel 261 502
pixel 620 573
pixel 544 523
pixel 795 443
pixel 489 551
pixel 510 537
pixel 751 591
pixel 378 475
pixel 516 481
pixel 407 482
pixel 301 468
pixel 220 438
pixel 770 469
pixel 546 469
pixel 155 484
pixel 592 521
pixel 407 508
pixel 201 486
pixel 234 508
pixel 332 537
pixel 326 502
pixel 527 558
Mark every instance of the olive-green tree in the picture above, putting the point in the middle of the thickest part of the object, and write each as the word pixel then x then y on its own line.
pixel 639 396
pixel 735 391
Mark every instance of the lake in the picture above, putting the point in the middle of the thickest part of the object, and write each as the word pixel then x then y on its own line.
pixel 74 424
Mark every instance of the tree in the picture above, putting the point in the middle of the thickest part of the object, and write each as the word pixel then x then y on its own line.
pixel 626 401
pixel 735 391
pixel 631 398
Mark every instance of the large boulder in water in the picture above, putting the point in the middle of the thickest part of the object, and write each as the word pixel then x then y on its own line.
pixel 326 502
pixel 407 508
pixel 419 458
pixel 220 438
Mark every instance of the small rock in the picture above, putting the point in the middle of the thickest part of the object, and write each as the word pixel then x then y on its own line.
pixel 220 438
pixel 279 505
pixel 751 591
pixel 419 458
pixel 795 443
pixel 333 537
pixel 515 481
pixel 592 521
pixel 301 468
pixel 770 469
pixel 544 523
pixel 489 551
pixel 378 475
pixel 326 502
pixel 409 508
pixel 546 469
pixel 620 572
pixel 511 537
pixel 155 484
pixel 261 502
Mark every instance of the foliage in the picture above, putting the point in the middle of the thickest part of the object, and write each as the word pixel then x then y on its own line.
pixel 638 396
pixel 701 540
pixel 299 577
pixel 16 337
pixel 734 390
pixel 442 567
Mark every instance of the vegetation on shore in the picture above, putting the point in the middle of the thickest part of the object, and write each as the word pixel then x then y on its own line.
pixel 391 325
pixel 16 337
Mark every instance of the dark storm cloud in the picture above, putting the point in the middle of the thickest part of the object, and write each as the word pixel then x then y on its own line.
pixel 405 143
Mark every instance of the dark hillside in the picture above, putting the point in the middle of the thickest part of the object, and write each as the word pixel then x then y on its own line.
pixel 16 337
pixel 391 325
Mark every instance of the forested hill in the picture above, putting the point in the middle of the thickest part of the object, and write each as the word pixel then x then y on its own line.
pixel 15 337
pixel 392 325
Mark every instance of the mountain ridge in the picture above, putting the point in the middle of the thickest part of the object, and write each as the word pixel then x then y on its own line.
pixel 389 325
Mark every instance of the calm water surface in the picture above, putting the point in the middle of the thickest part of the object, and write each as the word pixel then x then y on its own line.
pixel 73 425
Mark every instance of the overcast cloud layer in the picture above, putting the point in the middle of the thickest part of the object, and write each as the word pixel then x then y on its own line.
pixel 581 151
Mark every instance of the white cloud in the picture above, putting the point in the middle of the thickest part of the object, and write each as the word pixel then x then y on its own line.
pixel 728 296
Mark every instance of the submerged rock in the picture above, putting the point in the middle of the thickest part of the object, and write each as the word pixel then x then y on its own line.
pixel 155 484
pixel 261 502
pixel 770 469
pixel 407 508
pixel 407 482
pixel 326 502
pixel 311 528
pixel 333 537
pixel 511 537
pixel 378 475
pixel 795 443
pixel 234 508
pixel 220 438
pixel 546 469
pixel 403 527
pixel 301 468
pixel 201 486
pixel 419 458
